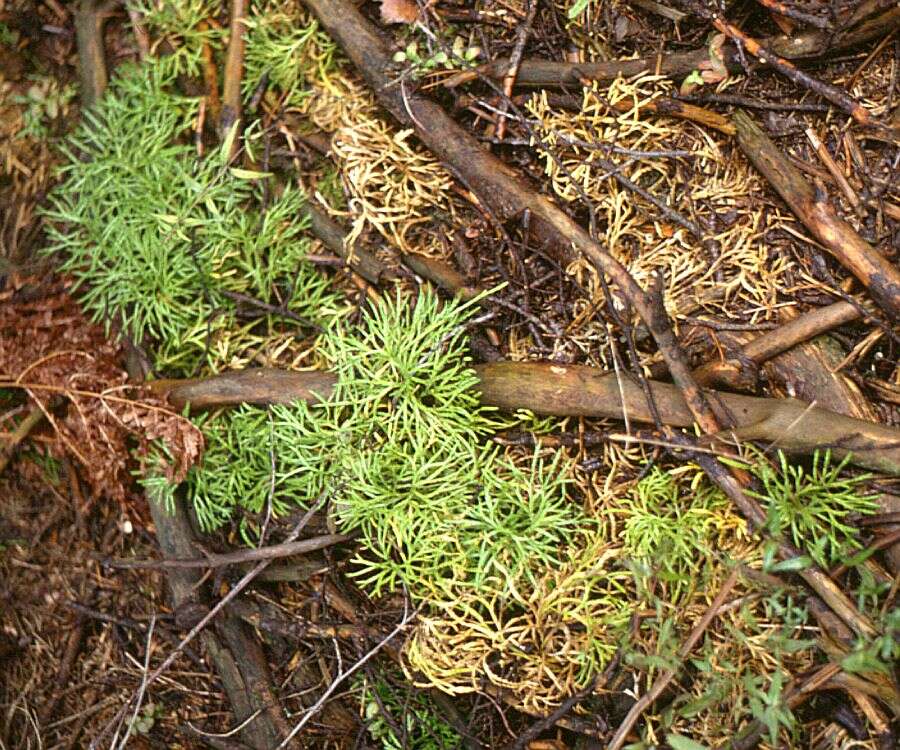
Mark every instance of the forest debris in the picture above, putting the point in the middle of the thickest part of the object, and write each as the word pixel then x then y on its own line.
pixel 236 654
pixel 49 350
pixel 788 70
pixel 873 270
pixel 581 391
pixel 234 73
pixel 807 45
pixel 834 171
pixel 730 372
pixel 399 11
pixel 270 552
pixel 361 260
pixel 515 59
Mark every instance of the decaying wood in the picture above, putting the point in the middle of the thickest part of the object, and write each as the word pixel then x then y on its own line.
pixel 581 391
pixel 874 271
pixel 729 373
pixel 234 73
pixel 805 46
pixel 236 655
pixel 90 18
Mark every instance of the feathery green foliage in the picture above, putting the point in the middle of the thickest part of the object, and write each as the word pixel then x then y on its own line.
pixel 811 507
pixel 156 237
pixel 182 23
pixel 398 450
pixel 672 532
pixel 287 48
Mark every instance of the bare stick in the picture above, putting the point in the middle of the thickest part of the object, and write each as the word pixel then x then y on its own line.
pixel 808 45
pixel 272 552
pixel 582 391
pixel 515 59
pixel 770 344
pixel 234 73
pixel 22 431
pixel 788 70
pixel 89 20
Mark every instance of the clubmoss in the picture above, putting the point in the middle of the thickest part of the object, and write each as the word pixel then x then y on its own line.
pixel 160 240
pixel 675 534
pixel 183 24
pixel 398 448
pixel 811 507
pixel 287 47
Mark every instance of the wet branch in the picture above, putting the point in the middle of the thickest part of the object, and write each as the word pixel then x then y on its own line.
pixel 871 268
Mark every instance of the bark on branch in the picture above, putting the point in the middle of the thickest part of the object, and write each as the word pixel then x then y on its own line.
pixel 873 270
pixel 580 391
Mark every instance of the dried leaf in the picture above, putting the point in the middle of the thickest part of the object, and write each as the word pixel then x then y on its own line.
pixel 73 371
pixel 399 11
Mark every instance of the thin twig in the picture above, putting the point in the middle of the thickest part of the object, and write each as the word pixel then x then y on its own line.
pixel 515 59
pixel 272 552
pixel 539 727
pixel 22 431
pixel 408 615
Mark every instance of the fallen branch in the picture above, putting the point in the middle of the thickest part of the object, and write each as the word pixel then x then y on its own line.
pixel 874 271
pixel 768 345
pixel 272 552
pixel 581 391
pixel 806 46
pixel 235 653
pixel 23 430
pixel 791 72
pixel 548 722
pixel 359 259
pixel 515 60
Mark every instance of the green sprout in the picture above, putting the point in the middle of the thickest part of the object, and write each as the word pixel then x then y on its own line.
pixel 424 62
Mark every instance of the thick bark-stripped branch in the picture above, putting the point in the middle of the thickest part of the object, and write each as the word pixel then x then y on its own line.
pixel 580 391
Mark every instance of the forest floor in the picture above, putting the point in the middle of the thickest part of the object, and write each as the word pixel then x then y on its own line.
pixel 403 374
